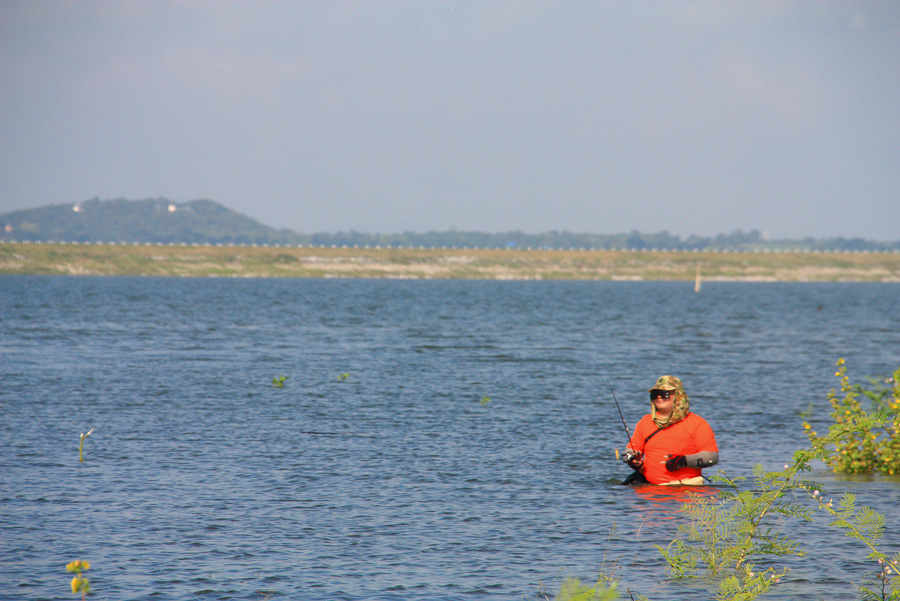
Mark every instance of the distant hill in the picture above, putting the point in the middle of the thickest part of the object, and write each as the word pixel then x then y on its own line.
pixel 158 220
pixel 154 220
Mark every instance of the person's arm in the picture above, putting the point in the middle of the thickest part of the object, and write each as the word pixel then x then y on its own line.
pixel 705 438
pixel 702 459
pixel 697 460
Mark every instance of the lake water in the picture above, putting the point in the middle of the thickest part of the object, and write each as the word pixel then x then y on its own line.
pixel 399 481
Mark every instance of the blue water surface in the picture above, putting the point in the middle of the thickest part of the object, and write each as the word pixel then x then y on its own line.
pixel 433 440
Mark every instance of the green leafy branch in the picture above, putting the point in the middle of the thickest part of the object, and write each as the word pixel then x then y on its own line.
pixel 728 537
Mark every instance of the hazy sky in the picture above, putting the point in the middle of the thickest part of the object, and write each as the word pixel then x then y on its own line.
pixel 383 116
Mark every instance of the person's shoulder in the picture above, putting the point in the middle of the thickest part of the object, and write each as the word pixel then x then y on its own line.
pixel 701 430
pixel 696 419
pixel 644 422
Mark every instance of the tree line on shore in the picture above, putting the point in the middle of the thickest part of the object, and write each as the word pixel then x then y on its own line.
pixel 206 222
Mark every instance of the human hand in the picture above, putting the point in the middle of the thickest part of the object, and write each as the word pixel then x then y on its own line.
pixel 676 462
pixel 634 459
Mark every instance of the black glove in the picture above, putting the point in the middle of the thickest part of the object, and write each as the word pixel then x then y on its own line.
pixel 634 459
pixel 676 462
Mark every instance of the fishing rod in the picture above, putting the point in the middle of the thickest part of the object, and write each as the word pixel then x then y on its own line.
pixel 620 414
pixel 629 453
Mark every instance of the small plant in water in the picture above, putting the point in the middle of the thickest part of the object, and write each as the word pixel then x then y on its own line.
pixel 863 450
pixel 81 446
pixel 485 400
pixel 343 377
pixel 573 590
pixel 80 584
pixel 278 381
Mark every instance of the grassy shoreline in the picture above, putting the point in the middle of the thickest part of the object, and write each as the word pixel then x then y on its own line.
pixel 427 263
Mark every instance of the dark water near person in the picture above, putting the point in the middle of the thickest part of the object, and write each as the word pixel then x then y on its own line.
pixel 202 480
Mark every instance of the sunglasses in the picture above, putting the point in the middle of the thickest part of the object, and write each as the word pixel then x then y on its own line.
pixel 665 394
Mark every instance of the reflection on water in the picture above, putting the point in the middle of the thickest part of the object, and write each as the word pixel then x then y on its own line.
pixel 202 480
pixel 669 498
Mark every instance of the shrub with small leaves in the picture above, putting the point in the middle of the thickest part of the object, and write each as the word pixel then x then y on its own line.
pixel 864 450
pixel 732 537
pixel 725 535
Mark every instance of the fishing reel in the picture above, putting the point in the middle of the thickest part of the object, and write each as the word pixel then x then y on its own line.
pixel 634 459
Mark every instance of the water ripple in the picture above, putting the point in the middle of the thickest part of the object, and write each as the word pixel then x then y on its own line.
pixel 399 481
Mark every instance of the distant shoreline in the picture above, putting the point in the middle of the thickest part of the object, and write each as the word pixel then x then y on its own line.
pixel 444 263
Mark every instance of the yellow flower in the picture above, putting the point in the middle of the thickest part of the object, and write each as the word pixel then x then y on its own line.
pixel 78 565
pixel 76 581
pixel 806 426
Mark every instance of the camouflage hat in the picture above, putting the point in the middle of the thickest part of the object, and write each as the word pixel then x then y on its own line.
pixel 667 383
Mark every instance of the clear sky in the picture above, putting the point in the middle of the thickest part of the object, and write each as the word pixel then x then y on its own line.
pixel 384 116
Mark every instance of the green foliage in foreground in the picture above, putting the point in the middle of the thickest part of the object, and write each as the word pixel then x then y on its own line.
pixel 735 540
pixel 864 450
